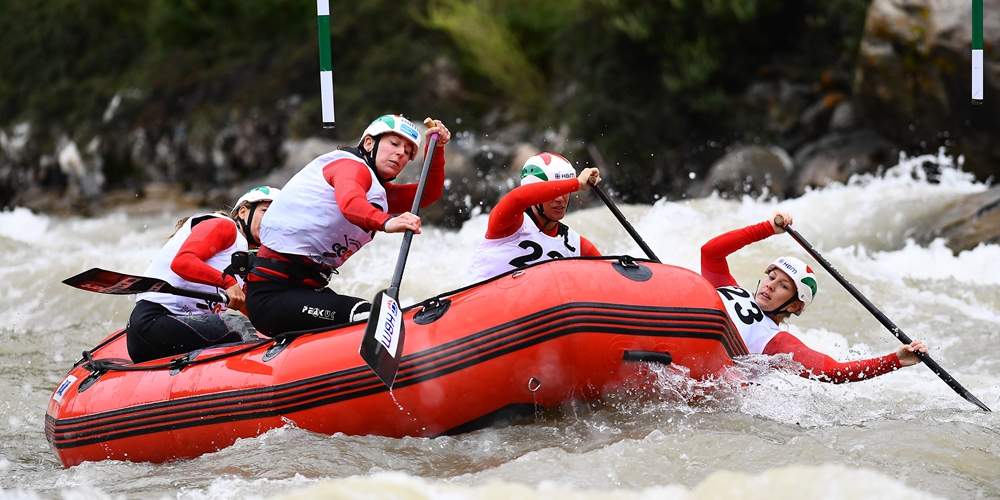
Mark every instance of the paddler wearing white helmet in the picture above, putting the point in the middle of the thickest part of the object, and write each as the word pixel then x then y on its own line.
pixel 201 255
pixel 327 212
pixel 249 210
pixel 801 276
pixel 789 287
pixel 525 226
pixel 398 140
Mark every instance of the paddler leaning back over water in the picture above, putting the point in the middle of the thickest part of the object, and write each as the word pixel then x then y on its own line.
pixel 329 210
pixel 789 287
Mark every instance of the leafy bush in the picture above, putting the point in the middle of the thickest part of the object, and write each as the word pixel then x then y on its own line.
pixel 655 87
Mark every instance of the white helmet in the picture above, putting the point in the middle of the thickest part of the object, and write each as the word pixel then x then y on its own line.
pixel 801 274
pixel 255 195
pixel 396 124
pixel 546 167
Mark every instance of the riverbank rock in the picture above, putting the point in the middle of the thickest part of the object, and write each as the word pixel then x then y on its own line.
pixel 967 223
pixel 913 82
pixel 748 170
pixel 834 158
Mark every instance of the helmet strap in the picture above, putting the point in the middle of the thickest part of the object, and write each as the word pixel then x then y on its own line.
pixel 369 158
pixel 540 209
pixel 245 224
pixel 780 309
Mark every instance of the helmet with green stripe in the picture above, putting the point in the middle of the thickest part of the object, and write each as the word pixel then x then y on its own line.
pixel 801 274
pixel 253 196
pixel 546 167
pixel 252 199
pixel 396 124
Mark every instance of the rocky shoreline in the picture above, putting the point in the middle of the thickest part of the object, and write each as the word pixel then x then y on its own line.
pixel 907 92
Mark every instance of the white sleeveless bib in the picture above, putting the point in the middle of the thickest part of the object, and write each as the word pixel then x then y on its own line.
pixel 306 220
pixel 754 326
pixel 160 268
pixel 527 246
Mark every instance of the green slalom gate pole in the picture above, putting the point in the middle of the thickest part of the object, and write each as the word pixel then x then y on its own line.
pixel 326 62
pixel 977 51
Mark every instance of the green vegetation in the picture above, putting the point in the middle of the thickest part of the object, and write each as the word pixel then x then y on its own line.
pixel 648 83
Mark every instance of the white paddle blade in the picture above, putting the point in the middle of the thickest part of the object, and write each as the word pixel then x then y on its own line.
pixel 383 338
pixel 389 325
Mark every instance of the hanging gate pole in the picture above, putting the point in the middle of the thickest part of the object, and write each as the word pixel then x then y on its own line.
pixel 977 51
pixel 325 62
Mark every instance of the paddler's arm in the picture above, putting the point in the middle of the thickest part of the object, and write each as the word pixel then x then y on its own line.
pixel 401 195
pixel 588 249
pixel 205 240
pixel 508 215
pixel 351 181
pixel 714 266
pixel 826 369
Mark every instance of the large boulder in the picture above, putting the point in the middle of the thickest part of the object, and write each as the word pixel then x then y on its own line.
pixel 914 79
pixel 748 170
pixel 834 158
pixel 967 222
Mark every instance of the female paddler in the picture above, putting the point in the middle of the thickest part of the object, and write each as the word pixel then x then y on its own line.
pixel 788 288
pixel 196 257
pixel 329 210
pixel 525 226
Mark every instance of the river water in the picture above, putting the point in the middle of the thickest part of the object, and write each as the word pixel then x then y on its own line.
pixel 903 435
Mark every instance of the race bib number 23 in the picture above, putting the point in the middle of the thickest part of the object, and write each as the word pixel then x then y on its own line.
pixel 740 306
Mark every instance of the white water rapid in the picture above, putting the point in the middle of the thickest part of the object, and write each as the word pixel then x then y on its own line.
pixel 905 435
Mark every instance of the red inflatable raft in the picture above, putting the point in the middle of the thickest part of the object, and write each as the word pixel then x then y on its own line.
pixel 539 337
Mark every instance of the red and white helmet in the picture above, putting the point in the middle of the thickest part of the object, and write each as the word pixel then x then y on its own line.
pixel 546 167
pixel 801 275
pixel 396 124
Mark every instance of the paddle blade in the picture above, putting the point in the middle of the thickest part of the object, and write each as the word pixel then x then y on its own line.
pixel 113 283
pixel 974 400
pixel 383 339
pixel 109 282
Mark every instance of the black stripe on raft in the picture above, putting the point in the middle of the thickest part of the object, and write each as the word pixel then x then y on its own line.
pixel 356 382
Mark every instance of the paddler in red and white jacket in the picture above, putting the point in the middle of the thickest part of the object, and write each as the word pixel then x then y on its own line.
pixel 524 227
pixel 788 288
pixel 329 210
pixel 196 258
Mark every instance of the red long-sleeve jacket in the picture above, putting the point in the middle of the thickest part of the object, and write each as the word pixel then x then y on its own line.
pixel 814 363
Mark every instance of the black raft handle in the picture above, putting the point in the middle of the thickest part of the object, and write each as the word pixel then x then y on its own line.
pixel 662 358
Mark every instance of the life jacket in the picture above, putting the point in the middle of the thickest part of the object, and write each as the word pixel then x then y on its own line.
pixel 526 246
pixel 306 220
pixel 756 328
pixel 160 268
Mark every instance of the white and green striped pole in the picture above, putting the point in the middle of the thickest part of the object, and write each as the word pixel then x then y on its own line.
pixel 977 51
pixel 326 62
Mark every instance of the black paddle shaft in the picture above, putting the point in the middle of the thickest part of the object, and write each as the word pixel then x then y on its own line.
pixel 404 248
pixel 374 351
pixel 624 222
pixel 882 318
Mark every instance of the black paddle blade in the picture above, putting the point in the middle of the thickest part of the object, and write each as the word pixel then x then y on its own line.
pixel 113 283
pixel 974 400
pixel 383 338
pixel 880 316
pixel 109 282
